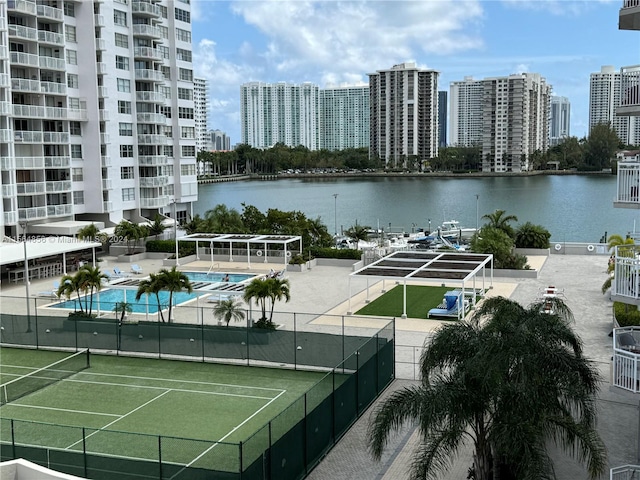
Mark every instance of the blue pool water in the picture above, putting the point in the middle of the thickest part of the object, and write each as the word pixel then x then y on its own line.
pixel 215 277
pixel 109 298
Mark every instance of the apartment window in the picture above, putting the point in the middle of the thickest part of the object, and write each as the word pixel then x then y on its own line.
pixel 187 132
pixel 122 63
pixel 124 85
pixel 184 55
pixel 126 173
pixel 166 111
pixel 188 151
pixel 183 15
pixel 188 169
pixel 186 75
pixel 183 35
pixel 184 112
pixel 168 151
pixel 185 94
pixel 124 2
pixel 120 18
pixel 72 80
pixel 70 33
pixel 164 51
pixel 72 57
pixel 75 129
pixel 125 129
pixel 169 190
pixel 76 151
pixel 122 40
pixel 124 107
pixel 69 9
pixel 126 151
pixel 166 71
pixel 168 131
pixel 128 194
pixel 164 31
pixel 74 103
pixel 163 11
pixel 78 197
pixel 76 175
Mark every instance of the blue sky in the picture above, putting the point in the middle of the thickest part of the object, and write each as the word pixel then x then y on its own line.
pixel 333 42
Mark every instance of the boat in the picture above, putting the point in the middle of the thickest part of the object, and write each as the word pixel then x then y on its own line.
pixel 451 229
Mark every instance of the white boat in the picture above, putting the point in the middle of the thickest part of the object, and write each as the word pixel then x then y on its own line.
pixel 451 229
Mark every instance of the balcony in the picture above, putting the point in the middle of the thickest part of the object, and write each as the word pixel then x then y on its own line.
pixel 146 31
pixel 103 92
pixel 105 138
pixel 53 87
pixel 625 472
pixel 107 184
pixel 23 33
pixel 29 163
pixel 77 114
pixel 629 18
pixel 107 206
pixel 5 108
pixel 50 12
pixel 58 186
pixel 626 358
pixel 26 59
pixel 105 161
pixel 147 53
pixel 629 92
pixel 151 97
pixel 156 118
pixel 10 218
pixel 626 275
pixel 27 136
pixel 23 6
pixel 628 191
pixel 99 20
pixel 55 137
pixel 157 202
pixel 7 164
pixel 101 44
pixel 30 188
pixel 24 85
pixel 151 182
pixel 57 162
pixel 51 38
pixel 103 115
pixel 101 68
pixel 8 191
pixel 152 139
pixel 32 213
pixel 152 160
pixel 145 9
pixel 4 51
pixel 148 74
pixel 5 80
pixel 59 210
pixel 5 135
pixel 52 63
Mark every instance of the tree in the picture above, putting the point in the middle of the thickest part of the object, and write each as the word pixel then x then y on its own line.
pixel 91 279
pixel 512 379
pixel 174 281
pixel 156 227
pixel 89 232
pixel 357 233
pixel 70 284
pixel 529 235
pixel 600 146
pixel 227 310
pixel 258 289
pixel 499 220
pixel 132 233
pixel 151 286
pixel 263 289
pixel 496 242
pixel 122 308
pixel 279 288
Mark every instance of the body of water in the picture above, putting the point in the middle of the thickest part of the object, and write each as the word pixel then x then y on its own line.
pixel 574 208
pixel 106 300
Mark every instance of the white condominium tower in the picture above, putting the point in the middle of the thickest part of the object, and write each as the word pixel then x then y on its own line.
pixel 343 118
pixel 465 112
pixel 404 115
pixel 96 111
pixel 559 120
pixel 201 106
pixel 604 98
pixel 515 121
pixel 281 112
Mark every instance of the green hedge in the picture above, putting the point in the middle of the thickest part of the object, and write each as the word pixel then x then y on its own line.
pixel 342 253
pixel 169 246
pixel 626 315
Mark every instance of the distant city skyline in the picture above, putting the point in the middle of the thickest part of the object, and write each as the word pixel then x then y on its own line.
pixel 338 43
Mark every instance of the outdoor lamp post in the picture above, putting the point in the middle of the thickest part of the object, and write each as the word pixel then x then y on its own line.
pixel 335 214
pixel 24 224
pixel 477 210
pixel 175 230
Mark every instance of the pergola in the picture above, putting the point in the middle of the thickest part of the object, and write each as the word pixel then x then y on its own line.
pixel 260 243
pixel 445 267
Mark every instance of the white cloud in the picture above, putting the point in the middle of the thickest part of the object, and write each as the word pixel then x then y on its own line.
pixel 557 7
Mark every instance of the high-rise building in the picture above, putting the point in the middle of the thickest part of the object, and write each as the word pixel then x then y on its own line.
pixel 442 119
pixel 559 120
pixel 604 98
pixel 201 112
pixel 218 141
pixel 515 121
pixel 465 116
pixel 404 115
pixel 96 111
pixel 273 113
pixel 343 118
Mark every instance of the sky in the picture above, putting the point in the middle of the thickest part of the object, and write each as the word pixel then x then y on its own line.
pixel 334 43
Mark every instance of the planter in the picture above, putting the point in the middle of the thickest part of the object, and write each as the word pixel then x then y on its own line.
pixel 509 273
pixel 136 257
pixel 534 251
pixel 170 262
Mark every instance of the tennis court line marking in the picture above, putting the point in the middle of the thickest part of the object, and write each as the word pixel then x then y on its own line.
pixel 121 417
pixel 13 404
pixel 231 432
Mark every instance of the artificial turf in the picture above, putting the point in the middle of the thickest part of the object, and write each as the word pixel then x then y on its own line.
pixel 420 299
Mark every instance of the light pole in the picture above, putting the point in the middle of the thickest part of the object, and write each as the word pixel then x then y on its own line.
pixel 24 224
pixel 335 214
pixel 477 210
pixel 175 231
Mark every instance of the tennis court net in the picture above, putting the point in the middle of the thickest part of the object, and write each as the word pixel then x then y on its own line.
pixel 44 377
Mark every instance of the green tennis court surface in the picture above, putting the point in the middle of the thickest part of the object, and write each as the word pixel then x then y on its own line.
pixel 120 406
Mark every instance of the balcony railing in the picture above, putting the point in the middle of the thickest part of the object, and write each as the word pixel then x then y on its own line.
pixel 5 108
pixel 107 206
pixel 152 97
pixel 29 163
pixel 630 90
pixel 10 218
pixel 19 58
pixel 52 63
pixel 99 20
pixel 628 185
pixel 50 12
pixel 25 85
pixel 59 210
pixel 32 213
pixel 146 9
pixel 50 37
pixel 105 161
pixel 148 74
pixel 58 186
pixel 7 164
pixel 147 52
pixel 57 162
pixel 103 92
pixel 101 44
pixel 24 6
pixel 147 31
pixel 151 139
pixel 5 80
pixel 629 17
pixel 150 182
pixel 4 51
pixel 8 191
pixel 105 138
pixel 156 118
pixel 625 285
pixel 625 472
pixel 30 188
pixel 22 32
pixel 157 202
pixel 5 135
pixel 27 136
pixel 152 160
pixel 53 87
pixel 103 115
pixel 626 358
pixel 107 184
pixel 55 137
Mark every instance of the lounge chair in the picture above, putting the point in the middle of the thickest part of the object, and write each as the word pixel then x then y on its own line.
pixel 119 273
pixel 51 294
pixel 453 305
pixel 135 268
pixel 109 274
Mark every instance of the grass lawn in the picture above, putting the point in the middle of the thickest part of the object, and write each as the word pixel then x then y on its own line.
pixel 420 300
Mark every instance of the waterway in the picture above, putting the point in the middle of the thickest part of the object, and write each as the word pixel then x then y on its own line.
pixel 574 208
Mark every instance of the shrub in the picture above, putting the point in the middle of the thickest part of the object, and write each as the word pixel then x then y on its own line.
pixel 341 253
pixel 298 259
pixel 80 316
pixel 169 246
pixel 626 315
pixel 265 324
pixel 529 235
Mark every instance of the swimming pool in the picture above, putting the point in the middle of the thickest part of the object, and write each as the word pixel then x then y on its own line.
pixel 109 298
pixel 215 277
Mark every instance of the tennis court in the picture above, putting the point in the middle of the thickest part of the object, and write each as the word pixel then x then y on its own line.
pixel 124 407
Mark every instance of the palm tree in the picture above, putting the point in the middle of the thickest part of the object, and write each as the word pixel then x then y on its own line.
pixel 69 284
pixel 90 232
pixel 513 380
pixel 156 227
pixel 132 233
pixel 499 220
pixel 151 286
pixel 122 308
pixel 174 281
pixel 357 233
pixel 259 290
pixel 90 279
pixel 279 288
pixel 227 310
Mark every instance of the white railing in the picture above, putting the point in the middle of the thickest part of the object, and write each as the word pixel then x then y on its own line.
pixel 151 118
pixel 53 87
pixel 25 6
pixel 625 472
pixel 50 37
pixel 153 97
pixel 148 8
pixel 101 68
pixel 30 188
pixel 10 218
pixel 4 50
pixel 105 160
pixel 55 137
pixel 105 138
pixel 8 191
pixel 7 163
pixel 149 182
pixel 151 139
pixel 29 163
pixel 628 183
pixel 630 86
pixel 630 3
pixel 626 358
pixel 20 58
pixel 25 33
pixel 104 115
pixel 59 186
pixel 5 80
pixel 107 206
pixel 50 12
pixel 148 74
pixel 27 136
pixel 147 52
pixel 103 92
pixel 52 63
pixel 57 162
pixel 152 160
pixel 5 135
pixel 101 44
pixel 142 30
pixel 58 210
pixel 107 184
pixel 154 202
pixel 25 85
pixel 99 20
pixel 5 108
